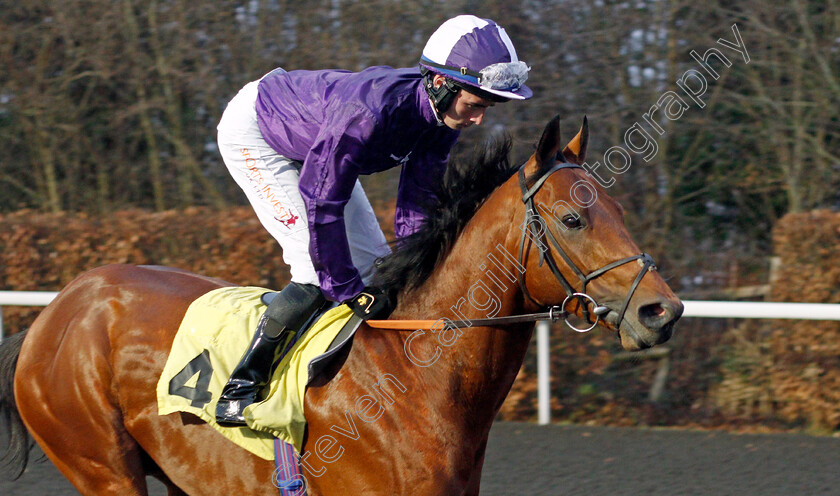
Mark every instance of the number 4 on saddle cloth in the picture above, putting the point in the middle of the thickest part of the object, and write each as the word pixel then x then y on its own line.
pixel 215 332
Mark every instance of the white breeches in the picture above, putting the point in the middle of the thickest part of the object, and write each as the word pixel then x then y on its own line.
pixel 270 181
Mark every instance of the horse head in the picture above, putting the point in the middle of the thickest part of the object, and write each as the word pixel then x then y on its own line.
pixel 577 252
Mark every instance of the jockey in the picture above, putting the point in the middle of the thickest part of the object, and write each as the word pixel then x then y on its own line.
pixel 296 143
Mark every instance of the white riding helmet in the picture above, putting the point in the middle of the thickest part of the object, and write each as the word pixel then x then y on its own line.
pixel 478 53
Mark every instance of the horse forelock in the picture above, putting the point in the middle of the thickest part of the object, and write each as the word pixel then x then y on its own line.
pixel 465 186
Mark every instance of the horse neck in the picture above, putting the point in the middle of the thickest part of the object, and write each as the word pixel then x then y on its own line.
pixel 478 279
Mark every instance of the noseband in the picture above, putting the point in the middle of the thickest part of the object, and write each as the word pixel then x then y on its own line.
pixel 532 217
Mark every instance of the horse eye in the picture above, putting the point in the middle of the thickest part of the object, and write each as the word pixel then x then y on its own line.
pixel 571 222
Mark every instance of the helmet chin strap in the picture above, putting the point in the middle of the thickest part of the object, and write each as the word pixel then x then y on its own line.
pixel 441 97
pixel 437 114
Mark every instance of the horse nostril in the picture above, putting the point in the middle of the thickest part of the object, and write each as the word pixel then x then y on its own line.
pixel 657 315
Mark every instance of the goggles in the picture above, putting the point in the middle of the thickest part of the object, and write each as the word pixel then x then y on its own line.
pixel 503 76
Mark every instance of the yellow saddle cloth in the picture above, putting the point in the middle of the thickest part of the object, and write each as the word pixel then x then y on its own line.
pixel 215 332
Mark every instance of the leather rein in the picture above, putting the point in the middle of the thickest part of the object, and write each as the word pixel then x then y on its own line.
pixel 538 230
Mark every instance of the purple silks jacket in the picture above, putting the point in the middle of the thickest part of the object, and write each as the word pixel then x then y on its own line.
pixel 340 125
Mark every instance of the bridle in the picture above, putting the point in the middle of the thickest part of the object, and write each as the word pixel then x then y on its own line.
pixel 554 312
pixel 532 220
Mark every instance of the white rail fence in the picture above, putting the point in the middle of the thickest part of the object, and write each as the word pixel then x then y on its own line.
pixel 704 309
pixel 23 299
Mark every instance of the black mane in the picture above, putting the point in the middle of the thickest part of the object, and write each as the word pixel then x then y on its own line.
pixel 463 189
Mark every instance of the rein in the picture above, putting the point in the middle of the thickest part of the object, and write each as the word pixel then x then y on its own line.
pixel 554 313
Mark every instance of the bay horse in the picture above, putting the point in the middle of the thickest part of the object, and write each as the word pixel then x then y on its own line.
pixel 399 412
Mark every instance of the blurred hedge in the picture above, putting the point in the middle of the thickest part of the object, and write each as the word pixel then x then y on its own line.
pixel 784 374
pixel 805 376
pixel 43 252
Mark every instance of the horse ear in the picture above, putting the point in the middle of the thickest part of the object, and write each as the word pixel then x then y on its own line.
pixel 549 143
pixel 575 151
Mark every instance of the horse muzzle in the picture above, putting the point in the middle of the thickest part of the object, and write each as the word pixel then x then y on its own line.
pixel 653 324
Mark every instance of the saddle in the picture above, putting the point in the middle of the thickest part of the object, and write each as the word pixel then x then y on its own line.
pixel 215 331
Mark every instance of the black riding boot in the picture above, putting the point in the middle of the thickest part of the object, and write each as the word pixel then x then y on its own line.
pixel 285 315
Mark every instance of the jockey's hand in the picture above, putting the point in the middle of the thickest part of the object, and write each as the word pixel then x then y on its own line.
pixel 372 303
